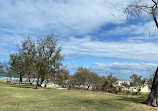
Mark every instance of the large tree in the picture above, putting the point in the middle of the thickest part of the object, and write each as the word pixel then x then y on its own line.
pixel 40 60
pixel 149 7
pixel 48 59
pixel 140 7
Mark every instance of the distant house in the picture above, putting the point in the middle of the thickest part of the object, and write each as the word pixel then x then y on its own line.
pixel 143 89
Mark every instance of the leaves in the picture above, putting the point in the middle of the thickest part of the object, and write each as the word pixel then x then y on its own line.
pixel 1 68
pixel 41 59
pixel 137 82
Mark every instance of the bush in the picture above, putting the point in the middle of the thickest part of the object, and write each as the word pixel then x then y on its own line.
pixel 111 85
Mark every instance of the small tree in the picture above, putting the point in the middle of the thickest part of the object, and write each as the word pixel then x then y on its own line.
pixel 79 79
pixel 111 84
pixel 125 86
pixel 99 83
pixel 137 82
pixel 94 79
pixel 1 68
pixel 84 79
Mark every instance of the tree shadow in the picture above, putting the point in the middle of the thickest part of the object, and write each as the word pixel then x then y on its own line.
pixel 99 104
pixel 133 99
pixel 23 86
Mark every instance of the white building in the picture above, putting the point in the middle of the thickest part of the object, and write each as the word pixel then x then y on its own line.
pixel 143 89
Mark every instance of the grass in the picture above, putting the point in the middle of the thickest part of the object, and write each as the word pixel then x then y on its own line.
pixel 26 98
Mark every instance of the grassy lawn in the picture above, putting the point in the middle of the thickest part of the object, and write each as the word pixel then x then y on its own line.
pixel 26 98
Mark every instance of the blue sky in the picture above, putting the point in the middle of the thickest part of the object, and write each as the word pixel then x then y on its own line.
pixel 89 34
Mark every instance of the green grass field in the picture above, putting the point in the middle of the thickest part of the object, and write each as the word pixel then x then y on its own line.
pixel 26 98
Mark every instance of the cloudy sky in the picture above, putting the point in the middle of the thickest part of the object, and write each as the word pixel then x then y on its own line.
pixel 89 33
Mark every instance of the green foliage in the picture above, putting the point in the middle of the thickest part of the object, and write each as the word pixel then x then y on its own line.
pixel 125 87
pixel 1 68
pixel 150 80
pixel 137 82
pixel 7 70
pixel 23 62
pixel 99 83
pixel 41 59
pixel 28 53
pixel 17 63
pixel 62 78
pixel 111 85
pixel 125 84
pixel 83 79
pixel 48 58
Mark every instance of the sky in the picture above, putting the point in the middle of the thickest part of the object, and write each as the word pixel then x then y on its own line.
pixel 90 32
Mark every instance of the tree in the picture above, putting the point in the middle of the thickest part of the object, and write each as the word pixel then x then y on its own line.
pixel 150 80
pixel 110 84
pixel 84 79
pixel 48 59
pixel 152 100
pixel 17 65
pixel 40 60
pixel 138 8
pixel 7 70
pixel 125 86
pixel 79 79
pixel 23 62
pixel 62 77
pixel 137 82
pixel 28 53
pixel 99 83
pixel 1 68
pixel 94 80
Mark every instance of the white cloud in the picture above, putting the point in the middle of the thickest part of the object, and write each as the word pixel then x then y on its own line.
pixel 141 51
pixel 3 52
pixel 72 17
pixel 147 29
pixel 124 70
pixel 64 17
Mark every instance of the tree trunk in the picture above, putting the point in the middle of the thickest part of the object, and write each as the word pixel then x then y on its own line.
pixel 42 79
pixel 7 79
pixel 88 87
pixel 37 83
pixel 20 80
pixel 152 96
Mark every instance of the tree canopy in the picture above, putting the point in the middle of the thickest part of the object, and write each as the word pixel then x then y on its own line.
pixel 40 59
